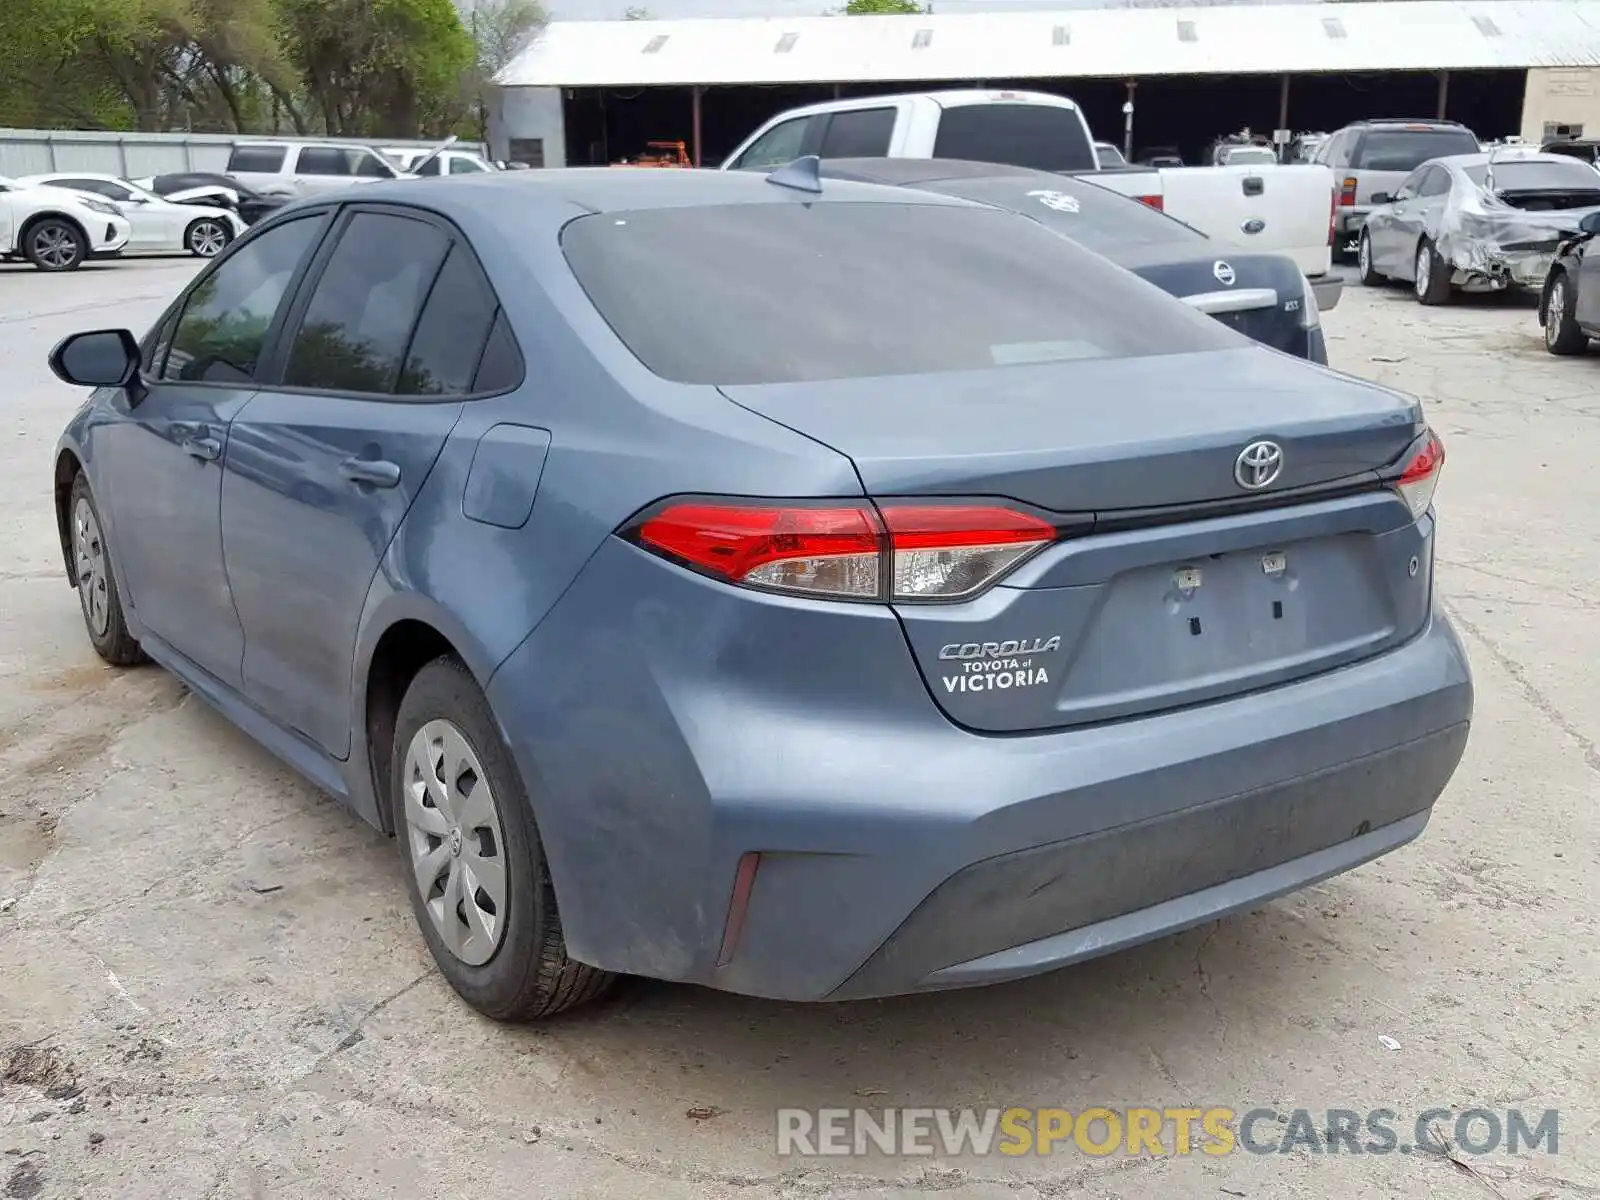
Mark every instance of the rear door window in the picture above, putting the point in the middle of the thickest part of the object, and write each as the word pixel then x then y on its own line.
pixel 357 326
pixel 788 293
pixel 452 331
pixel 863 133
pixel 1040 136
pixel 262 160
pixel 323 160
pixel 1408 149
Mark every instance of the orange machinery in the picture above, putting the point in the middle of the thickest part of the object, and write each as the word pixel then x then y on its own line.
pixel 660 154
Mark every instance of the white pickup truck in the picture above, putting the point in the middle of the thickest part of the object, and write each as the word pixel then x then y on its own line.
pixel 1265 207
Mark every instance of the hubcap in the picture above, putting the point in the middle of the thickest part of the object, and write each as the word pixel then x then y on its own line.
pixel 55 246
pixel 457 849
pixel 1424 270
pixel 208 240
pixel 91 563
pixel 1556 309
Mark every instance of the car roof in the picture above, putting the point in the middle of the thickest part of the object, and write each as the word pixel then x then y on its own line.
pixel 625 189
pixel 908 172
pixel 1503 155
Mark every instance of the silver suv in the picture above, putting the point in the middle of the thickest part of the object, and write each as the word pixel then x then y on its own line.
pixel 1373 156
pixel 308 168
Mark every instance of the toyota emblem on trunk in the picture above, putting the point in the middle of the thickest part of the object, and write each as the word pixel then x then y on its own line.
pixel 1223 272
pixel 1258 464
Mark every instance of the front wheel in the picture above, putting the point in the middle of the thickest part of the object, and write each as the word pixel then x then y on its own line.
pixel 1561 332
pixel 479 882
pixel 97 581
pixel 1369 277
pixel 54 245
pixel 207 238
pixel 1432 276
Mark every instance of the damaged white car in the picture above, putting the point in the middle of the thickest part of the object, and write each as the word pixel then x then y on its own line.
pixel 1477 222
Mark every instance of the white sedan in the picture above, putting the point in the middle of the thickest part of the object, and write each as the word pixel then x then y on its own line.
pixel 159 226
pixel 56 229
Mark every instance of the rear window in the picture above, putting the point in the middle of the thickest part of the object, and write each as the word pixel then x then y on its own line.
pixel 790 293
pixel 263 159
pixel 1408 149
pixel 1020 135
pixel 1514 176
pixel 1085 212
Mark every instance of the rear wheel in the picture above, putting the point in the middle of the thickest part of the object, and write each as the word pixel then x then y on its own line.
pixel 1368 276
pixel 207 238
pixel 1432 276
pixel 479 882
pixel 97 582
pixel 54 245
pixel 1561 332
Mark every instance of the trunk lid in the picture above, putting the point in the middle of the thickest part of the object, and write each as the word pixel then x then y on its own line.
pixel 1097 435
pixel 1157 596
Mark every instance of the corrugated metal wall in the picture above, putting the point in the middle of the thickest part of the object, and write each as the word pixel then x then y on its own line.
pixel 137 155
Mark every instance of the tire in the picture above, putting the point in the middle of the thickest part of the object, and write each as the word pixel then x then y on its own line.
pixel 518 970
pixel 1431 280
pixel 54 244
pixel 207 237
pixel 1364 270
pixel 1561 332
pixel 97 581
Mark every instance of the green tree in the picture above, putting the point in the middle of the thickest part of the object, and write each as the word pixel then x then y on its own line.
pixel 872 8
pixel 501 30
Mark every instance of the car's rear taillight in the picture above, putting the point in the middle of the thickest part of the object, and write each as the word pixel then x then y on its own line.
pixel 1154 202
pixel 1420 476
pixel 1347 193
pixel 847 551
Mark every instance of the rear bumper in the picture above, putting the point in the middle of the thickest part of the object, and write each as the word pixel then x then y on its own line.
pixel 667 727
pixel 1327 289
pixel 1348 220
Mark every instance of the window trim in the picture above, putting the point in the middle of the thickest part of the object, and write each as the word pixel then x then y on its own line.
pixel 150 372
pixel 272 368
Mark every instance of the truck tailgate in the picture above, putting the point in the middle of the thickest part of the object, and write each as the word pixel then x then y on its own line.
pixel 1279 208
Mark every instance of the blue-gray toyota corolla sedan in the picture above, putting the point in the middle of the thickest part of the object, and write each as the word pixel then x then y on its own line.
pixel 810 590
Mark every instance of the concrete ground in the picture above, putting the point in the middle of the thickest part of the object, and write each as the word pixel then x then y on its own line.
pixel 210 983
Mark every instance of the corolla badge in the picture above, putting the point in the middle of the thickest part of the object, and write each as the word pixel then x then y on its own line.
pixel 1258 464
pixel 1253 225
pixel 1224 273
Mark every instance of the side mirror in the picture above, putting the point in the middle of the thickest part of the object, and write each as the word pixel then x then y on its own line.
pixel 103 358
pixel 1590 223
pixel 1381 197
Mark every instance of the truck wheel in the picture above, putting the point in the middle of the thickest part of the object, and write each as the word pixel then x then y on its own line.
pixel 1368 276
pixel 53 244
pixel 1432 276
pixel 1561 332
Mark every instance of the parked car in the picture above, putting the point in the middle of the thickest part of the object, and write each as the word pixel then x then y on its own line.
pixel 1368 157
pixel 57 229
pixel 423 163
pixel 1284 209
pixel 1107 155
pixel 205 188
pixel 685 631
pixel 156 224
pixel 1476 222
pixel 308 168
pixel 1584 149
pixel 1264 296
pixel 1569 303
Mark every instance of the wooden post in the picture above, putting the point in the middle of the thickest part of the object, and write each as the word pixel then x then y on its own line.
pixel 696 143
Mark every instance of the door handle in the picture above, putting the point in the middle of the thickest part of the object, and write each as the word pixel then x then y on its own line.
pixel 206 449
pixel 374 472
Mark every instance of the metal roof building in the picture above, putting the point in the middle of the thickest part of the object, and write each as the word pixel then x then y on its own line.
pixel 1389 35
